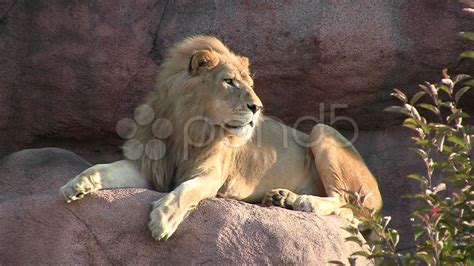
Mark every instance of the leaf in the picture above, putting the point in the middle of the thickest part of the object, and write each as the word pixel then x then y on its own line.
pixel 462 176
pixel 416 125
pixel 422 123
pixel 469 83
pixel 441 164
pixel 440 142
pixel 420 152
pixel 397 109
pixel 458 94
pixel 416 97
pixel 418 232
pixel 421 141
pixel 447 82
pixel 440 126
pixel 361 253
pixel 467 54
pixel 352 230
pixel 354 239
pixel 467 35
pixel 444 73
pixel 424 88
pixel 377 227
pixel 386 221
pixel 461 77
pixel 456 140
pixel 351 206
pixel 425 257
pixel 412 110
pixel 413 196
pixel 455 115
pixel 439 187
pixel 396 237
pixel 449 105
pixel 416 177
pixel 400 95
pixel 446 89
pixel 429 107
pixel 378 255
pixel 410 123
pixel 422 217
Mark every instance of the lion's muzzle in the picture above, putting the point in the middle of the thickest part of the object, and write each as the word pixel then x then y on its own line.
pixel 242 116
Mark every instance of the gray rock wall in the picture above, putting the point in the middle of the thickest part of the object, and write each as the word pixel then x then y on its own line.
pixel 70 70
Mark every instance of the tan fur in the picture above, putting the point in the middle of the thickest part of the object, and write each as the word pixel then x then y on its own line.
pixel 243 155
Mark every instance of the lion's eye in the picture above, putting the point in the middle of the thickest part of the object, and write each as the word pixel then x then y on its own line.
pixel 229 81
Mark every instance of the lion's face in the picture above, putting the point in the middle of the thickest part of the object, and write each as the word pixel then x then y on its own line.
pixel 233 105
pixel 236 107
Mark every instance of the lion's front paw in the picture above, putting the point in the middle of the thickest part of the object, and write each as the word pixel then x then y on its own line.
pixel 280 197
pixel 81 185
pixel 165 217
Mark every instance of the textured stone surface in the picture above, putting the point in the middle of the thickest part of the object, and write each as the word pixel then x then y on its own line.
pixel 20 171
pixel 110 226
pixel 70 70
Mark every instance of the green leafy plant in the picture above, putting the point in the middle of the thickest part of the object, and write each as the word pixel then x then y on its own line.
pixel 382 242
pixel 444 222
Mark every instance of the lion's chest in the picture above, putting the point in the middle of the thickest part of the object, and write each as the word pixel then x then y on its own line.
pixel 236 187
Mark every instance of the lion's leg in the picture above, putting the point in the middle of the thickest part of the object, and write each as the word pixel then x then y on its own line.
pixel 341 168
pixel 309 203
pixel 169 211
pixel 119 174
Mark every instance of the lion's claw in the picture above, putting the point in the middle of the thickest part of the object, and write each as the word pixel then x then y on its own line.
pixel 280 197
pixel 165 217
pixel 80 186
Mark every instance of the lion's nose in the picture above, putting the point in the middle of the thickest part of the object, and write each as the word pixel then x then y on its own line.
pixel 254 108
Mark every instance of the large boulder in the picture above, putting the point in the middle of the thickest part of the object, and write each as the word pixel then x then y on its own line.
pixel 70 70
pixel 110 226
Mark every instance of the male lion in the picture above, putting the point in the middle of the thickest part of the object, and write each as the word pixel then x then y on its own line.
pixel 222 146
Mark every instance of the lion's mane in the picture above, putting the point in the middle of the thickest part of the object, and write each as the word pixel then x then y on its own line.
pixel 177 97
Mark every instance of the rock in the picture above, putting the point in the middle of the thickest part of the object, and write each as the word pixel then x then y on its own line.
pixel 110 226
pixel 50 167
pixel 71 70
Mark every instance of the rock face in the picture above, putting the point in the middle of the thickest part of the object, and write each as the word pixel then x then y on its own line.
pixel 70 70
pixel 110 226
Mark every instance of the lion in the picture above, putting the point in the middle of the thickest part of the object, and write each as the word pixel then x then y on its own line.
pixel 223 146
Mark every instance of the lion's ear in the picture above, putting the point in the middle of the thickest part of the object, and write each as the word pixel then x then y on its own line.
pixel 244 61
pixel 202 61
